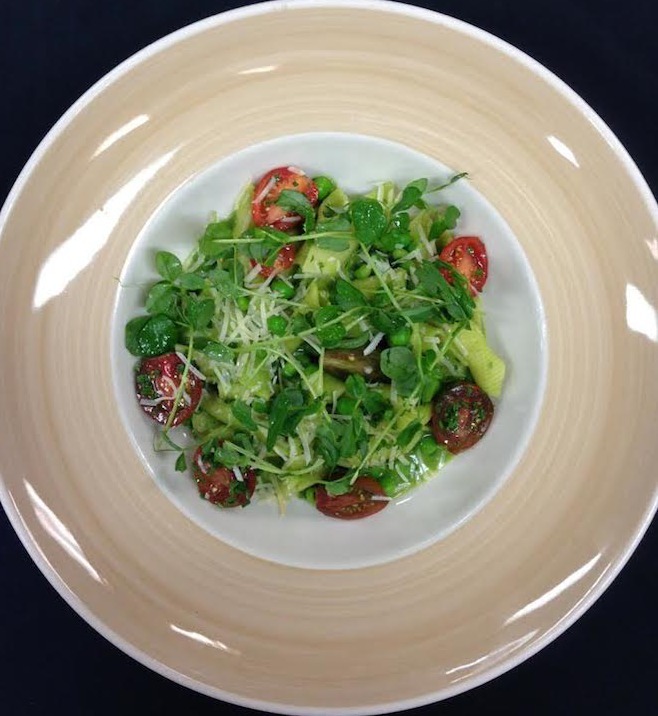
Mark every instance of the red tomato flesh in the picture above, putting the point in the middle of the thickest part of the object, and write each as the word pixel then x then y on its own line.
pixel 462 415
pixel 264 209
pixel 156 382
pixel 284 260
pixel 220 485
pixel 468 255
pixel 353 505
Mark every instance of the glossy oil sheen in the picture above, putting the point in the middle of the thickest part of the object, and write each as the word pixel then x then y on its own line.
pixel 367 640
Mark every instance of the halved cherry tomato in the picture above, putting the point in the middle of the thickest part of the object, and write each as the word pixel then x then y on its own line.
pixel 156 382
pixel 264 209
pixel 220 485
pixel 469 256
pixel 353 505
pixel 284 260
pixel 462 414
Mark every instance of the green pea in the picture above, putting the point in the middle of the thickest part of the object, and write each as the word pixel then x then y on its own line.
pixel 325 186
pixel 391 484
pixel 283 288
pixel 428 447
pixel 401 337
pixel 309 495
pixel 363 271
pixel 345 405
pixel 243 303
pixel 289 370
pixel 277 325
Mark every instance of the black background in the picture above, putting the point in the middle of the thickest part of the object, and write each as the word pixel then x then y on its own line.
pixel 51 51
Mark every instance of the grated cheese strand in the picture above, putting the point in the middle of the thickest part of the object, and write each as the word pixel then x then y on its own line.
pixel 373 344
pixel 265 190
pixel 191 368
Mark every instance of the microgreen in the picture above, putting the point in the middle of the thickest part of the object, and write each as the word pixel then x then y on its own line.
pixel 288 408
pixel 338 487
pixel 199 313
pixel 445 222
pixel 450 182
pixel 217 352
pixel 368 219
pixel 455 296
pixel 242 413
pixel 411 196
pixel 347 296
pixel 297 203
pixel 162 298
pixel 151 335
pixel 399 364
pixel 168 265
pixel 333 243
pixel 228 283
pixel 191 281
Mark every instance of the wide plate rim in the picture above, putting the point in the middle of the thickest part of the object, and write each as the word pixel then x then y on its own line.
pixel 186 32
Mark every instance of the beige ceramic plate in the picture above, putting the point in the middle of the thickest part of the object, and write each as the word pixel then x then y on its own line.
pixel 365 640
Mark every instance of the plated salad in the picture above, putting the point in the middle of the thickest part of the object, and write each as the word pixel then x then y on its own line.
pixel 319 346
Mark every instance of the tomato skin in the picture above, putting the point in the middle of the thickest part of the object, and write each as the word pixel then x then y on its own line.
pixel 353 505
pixel 220 486
pixel 284 260
pixel 468 255
pixel 159 377
pixel 264 210
pixel 461 416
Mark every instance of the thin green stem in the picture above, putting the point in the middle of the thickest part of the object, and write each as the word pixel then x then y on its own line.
pixel 383 434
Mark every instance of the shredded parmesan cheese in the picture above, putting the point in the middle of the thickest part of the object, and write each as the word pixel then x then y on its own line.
pixel 306 447
pixel 148 403
pixel 373 344
pixel 265 190
pixel 191 368
pixel 225 321
pixel 403 477
pixel 307 275
pixel 253 273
